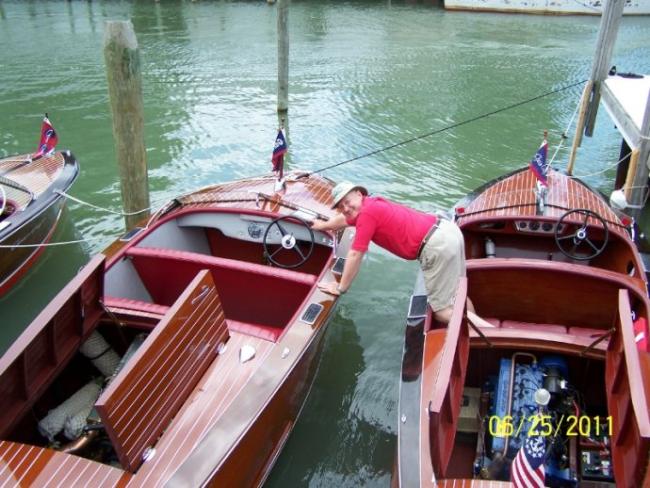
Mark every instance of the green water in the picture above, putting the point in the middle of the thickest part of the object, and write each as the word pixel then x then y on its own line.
pixel 363 75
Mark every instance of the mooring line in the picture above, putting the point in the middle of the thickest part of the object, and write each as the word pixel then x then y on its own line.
pixel 449 127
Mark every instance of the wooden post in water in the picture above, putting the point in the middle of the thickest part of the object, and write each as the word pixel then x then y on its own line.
pixel 125 91
pixel 611 19
pixel 636 185
pixel 283 55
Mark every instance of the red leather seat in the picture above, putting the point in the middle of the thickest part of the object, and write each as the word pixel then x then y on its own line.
pixel 256 330
pixel 553 328
pixel 586 332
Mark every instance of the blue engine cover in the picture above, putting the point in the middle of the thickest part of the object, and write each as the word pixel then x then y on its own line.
pixel 528 378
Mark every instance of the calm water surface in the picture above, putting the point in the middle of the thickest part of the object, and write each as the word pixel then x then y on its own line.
pixel 363 75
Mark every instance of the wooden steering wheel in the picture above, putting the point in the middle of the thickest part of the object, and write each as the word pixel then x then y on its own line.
pixel 572 243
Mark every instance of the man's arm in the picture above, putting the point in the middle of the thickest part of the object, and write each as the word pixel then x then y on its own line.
pixel 350 271
pixel 334 223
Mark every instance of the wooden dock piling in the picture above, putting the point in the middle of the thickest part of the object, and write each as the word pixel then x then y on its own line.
pixel 609 24
pixel 122 58
pixel 283 55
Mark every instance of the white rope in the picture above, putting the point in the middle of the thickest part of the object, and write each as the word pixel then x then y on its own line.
pixel 82 202
pixel 607 168
pixel 564 134
pixel 50 244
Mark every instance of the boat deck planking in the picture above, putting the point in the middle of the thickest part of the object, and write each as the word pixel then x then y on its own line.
pixel 513 195
pixel 37 176
pixel 31 465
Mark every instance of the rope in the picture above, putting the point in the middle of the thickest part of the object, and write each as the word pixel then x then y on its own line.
pixel 607 168
pixel 449 127
pixel 123 214
pixel 50 244
pixel 563 137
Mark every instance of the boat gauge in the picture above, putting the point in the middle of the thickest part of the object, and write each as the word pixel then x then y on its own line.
pixel 255 230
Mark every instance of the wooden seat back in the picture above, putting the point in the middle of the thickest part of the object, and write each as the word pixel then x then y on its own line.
pixel 141 401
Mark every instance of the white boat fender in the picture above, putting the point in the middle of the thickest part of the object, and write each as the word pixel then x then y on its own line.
pixel 100 353
pixel 81 403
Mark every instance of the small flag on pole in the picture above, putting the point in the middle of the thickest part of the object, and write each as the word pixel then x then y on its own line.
pixel 527 470
pixel 538 163
pixel 279 149
pixel 49 139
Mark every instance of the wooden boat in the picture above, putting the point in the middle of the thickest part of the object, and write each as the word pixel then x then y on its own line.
pixel 560 295
pixel 217 294
pixel 30 208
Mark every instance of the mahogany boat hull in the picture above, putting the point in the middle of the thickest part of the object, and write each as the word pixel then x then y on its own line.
pixel 251 460
pixel 581 308
pixel 33 225
pixel 229 345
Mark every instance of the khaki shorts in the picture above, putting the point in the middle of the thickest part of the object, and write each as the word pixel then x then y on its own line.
pixel 443 263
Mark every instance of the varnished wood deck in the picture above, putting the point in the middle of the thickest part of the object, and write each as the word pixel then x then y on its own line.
pixel 36 176
pixel 514 197
pixel 23 465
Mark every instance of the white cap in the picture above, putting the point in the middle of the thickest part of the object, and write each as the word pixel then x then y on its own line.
pixel 342 189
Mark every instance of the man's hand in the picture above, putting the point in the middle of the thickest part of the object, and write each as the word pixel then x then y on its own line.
pixel 330 287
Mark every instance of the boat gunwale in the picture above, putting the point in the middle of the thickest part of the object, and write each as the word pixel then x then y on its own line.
pixel 23 217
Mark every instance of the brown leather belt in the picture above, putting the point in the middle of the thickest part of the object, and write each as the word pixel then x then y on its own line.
pixel 426 237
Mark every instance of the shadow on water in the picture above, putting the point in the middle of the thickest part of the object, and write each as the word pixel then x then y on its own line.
pixel 48 275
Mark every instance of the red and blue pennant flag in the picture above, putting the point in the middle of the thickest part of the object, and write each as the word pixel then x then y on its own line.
pixel 49 139
pixel 538 163
pixel 279 150
pixel 527 469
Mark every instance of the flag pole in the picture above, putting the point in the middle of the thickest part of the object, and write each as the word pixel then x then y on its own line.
pixel 280 183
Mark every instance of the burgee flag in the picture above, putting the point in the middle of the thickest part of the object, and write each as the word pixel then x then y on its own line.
pixel 538 163
pixel 49 139
pixel 279 149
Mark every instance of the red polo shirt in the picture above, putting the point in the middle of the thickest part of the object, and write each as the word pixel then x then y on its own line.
pixel 394 227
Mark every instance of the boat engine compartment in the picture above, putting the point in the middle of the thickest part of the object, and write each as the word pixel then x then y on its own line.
pixel 246 256
pixel 500 411
pixel 563 346
pixel 101 389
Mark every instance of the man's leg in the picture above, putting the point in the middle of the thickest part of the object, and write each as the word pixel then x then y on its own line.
pixel 444 315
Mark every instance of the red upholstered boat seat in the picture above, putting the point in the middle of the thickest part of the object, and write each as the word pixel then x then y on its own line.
pixel 553 328
pixel 135 305
pixel 210 262
pixel 256 330
pixel 494 322
pixel 587 332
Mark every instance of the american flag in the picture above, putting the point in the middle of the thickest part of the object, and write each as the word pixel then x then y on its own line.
pixel 538 163
pixel 279 149
pixel 49 139
pixel 527 470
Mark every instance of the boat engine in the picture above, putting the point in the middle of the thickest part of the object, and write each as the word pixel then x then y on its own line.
pixel 529 397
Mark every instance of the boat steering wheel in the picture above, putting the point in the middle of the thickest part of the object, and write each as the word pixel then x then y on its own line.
pixel 569 244
pixel 287 241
